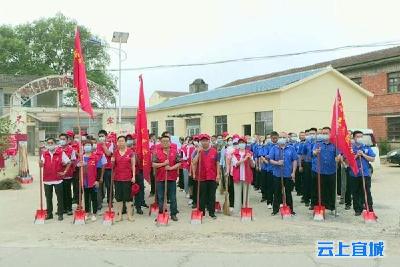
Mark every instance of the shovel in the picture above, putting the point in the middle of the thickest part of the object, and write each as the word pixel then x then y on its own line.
pixel 246 213
pixel 319 210
pixel 369 216
pixel 80 214
pixel 197 214
pixel 284 209
pixel 41 214
pixel 226 202
pixel 109 215
pixel 163 218
pixel 153 210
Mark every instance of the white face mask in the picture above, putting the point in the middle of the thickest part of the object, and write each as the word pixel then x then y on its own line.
pixel 102 139
pixel 360 140
pixel 242 146
pixel 196 143
pixel 51 147
pixel 230 143
pixel 62 142
pixel 83 138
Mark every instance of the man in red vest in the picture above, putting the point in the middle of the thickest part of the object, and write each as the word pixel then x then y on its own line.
pixel 166 161
pixel 67 179
pixel 208 172
pixel 105 147
pixel 53 161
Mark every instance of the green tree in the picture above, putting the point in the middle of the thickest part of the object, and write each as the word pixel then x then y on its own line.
pixel 45 47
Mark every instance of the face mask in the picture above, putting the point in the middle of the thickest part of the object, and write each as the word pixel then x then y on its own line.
pixel 281 141
pixel 76 140
pixel 360 140
pixel 268 141
pixel 129 142
pixel 324 137
pixel 220 141
pixel 87 148
pixel 352 141
pixel 51 147
pixel 102 139
pixel 83 138
pixel 235 146
pixel 230 143
pixel 319 137
pixel 242 146
pixel 62 142
pixel 195 143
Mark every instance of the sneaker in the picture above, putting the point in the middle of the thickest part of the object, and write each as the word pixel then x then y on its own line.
pixel 358 213
pixel 274 213
pixel 311 207
pixel 69 212
pixel 306 204
pixel 190 202
pixel 60 217
pixel 230 209
pixel 145 206
pixel 187 196
pixel 263 200
pixel 269 206
pixel 174 218
pixel 139 211
pixel 94 218
pixel 293 213
pixel 213 216
pixel 347 207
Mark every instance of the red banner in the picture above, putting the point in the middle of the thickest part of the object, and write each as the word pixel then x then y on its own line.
pixel 340 136
pixel 80 80
pixel 142 135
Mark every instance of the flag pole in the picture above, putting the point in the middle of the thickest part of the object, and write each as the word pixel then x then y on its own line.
pixel 336 150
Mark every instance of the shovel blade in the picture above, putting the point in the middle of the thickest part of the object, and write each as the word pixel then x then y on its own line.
pixel 246 214
pixel 153 209
pixel 162 219
pixel 197 217
pixel 108 217
pixel 218 207
pixel 369 217
pixel 40 216
pixel 79 217
pixel 319 213
pixel 285 212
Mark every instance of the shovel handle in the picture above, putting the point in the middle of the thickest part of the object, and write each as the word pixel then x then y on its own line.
pixel 282 184
pixel 319 178
pixel 364 187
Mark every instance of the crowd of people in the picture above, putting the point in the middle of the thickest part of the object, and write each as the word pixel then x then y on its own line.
pixel 197 166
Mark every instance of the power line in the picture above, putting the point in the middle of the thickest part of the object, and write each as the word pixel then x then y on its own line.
pixel 259 58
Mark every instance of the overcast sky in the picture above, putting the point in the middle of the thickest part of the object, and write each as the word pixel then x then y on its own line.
pixel 185 31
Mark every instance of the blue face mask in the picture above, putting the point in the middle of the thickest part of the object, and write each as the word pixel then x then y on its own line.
pixel 281 141
pixel 242 146
pixel 87 148
pixel 360 141
pixel 62 142
pixel 324 137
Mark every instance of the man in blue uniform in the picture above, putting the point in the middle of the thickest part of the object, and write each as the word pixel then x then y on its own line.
pixel 363 155
pixel 306 164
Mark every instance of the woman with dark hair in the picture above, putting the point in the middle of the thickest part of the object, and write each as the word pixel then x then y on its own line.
pixel 124 175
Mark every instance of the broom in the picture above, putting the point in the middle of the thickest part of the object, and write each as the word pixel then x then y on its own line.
pixel 226 202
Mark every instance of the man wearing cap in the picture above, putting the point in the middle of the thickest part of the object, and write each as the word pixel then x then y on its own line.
pixel 208 173
pixel 105 147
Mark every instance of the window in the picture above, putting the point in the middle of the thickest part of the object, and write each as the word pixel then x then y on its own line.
pixel 169 126
pixel 154 127
pixel 52 129
pixel 263 122
pixel 357 80
pixel 192 126
pixel 7 100
pixel 393 82
pixel 221 124
pixel 393 130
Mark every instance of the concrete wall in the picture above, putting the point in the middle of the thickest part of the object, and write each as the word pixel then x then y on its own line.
pixel 309 104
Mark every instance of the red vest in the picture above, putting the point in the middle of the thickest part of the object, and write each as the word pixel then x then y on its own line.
pixel 160 172
pixel 52 166
pixel 187 153
pixel 100 150
pixel 248 172
pixel 90 170
pixel 208 165
pixel 68 150
pixel 123 165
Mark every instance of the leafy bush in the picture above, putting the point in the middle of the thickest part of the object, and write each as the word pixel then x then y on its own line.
pixel 384 146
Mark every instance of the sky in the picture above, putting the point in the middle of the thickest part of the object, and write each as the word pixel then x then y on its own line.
pixel 186 31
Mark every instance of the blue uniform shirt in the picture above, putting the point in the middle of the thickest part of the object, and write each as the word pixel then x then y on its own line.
pixel 307 150
pixel 289 155
pixel 264 152
pixel 368 151
pixel 327 158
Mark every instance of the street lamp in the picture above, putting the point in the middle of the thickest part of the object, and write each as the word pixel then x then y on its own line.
pixel 120 37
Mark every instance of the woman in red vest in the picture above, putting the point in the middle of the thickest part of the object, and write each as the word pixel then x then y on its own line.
pixel 242 162
pixel 187 151
pixel 53 160
pixel 166 161
pixel 207 170
pixel 124 175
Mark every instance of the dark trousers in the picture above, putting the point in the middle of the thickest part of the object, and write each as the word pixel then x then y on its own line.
pixel 288 184
pixel 107 184
pixel 207 196
pixel 139 198
pixel 75 185
pixel 171 195
pixel 67 194
pixel 307 179
pixel 328 192
pixel 91 198
pixel 263 184
pixel 347 196
pixel 48 192
pixel 152 182
pixel 299 182
pixel 358 193
pixel 194 191
pixel 181 183
pixel 314 189
pixel 270 188
pixel 231 192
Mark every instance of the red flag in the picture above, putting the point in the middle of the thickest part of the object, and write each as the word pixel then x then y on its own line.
pixel 142 135
pixel 339 134
pixel 80 80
